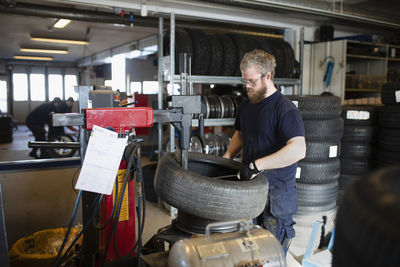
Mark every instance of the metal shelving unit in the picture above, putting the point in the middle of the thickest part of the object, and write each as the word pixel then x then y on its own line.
pixel 232 80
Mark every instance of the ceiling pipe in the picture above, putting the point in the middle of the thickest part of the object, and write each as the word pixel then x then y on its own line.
pixel 268 5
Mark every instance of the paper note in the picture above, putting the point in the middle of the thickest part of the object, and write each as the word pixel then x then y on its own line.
pixel 102 160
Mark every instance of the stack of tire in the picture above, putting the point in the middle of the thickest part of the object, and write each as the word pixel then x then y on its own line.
pixel 389 125
pixel 358 144
pixel 5 129
pixel 220 54
pixel 317 174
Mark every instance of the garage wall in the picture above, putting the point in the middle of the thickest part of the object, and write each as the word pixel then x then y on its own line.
pixel 37 199
pixel 142 69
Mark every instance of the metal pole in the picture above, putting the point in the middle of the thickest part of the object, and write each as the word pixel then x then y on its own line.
pixel 172 72
pixel 160 81
pixel 301 59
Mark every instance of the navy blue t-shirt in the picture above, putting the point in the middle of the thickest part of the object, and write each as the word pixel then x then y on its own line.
pixel 266 127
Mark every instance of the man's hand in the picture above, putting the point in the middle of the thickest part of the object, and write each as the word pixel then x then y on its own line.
pixel 249 172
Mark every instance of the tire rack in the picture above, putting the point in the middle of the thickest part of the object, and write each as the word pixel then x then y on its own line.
pixel 202 79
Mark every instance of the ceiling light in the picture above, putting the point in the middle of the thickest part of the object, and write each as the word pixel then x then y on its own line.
pixel 61 23
pixel 60 41
pixel 42 50
pixel 33 58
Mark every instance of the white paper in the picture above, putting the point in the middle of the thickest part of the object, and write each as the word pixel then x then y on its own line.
pixel 397 94
pixel 298 173
pixel 102 160
pixel 333 151
pixel 357 115
pixel 296 103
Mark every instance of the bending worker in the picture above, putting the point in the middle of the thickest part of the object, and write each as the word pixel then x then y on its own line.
pixel 270 131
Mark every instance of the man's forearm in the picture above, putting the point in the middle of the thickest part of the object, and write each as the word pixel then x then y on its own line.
pixel 294 151
pixel 235 145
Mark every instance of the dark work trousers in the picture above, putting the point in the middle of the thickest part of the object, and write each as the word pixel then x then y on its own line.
pixel 281 228
pixel 39 133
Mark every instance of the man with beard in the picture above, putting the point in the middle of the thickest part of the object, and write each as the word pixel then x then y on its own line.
pixel 270 131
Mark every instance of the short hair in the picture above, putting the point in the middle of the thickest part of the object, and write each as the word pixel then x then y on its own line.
pixel 57 100
pixel 261 60
pixel 70 99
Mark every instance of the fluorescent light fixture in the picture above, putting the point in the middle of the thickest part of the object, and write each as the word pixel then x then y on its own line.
pixel 33 58
pixel 43 50
pixel 60 41
pixel 61 23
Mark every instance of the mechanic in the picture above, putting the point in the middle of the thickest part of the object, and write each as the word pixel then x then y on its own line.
pixel 270 131
pixel 63 107
pixel 36 121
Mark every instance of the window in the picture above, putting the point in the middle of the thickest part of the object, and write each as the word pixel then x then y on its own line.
pixel 70 82
pixel 136 87
pixel 108 83
pixel 150 87
pixel 55 86
pixel 3 97
pixel 20 82
pixel 176 91
pixel 37 87
pixel 118 73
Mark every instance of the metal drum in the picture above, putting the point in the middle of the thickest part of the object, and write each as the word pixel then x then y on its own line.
pixel 247 248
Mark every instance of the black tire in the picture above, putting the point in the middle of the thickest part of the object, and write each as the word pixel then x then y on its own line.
pixel 388 158
pixel 312 209
pixel 356 166
pixel 290 59
pixel 201 52
pixel 360 115
pixel 217 55
pixel 183 44
pixel 149 172
pixel 389 139
pixel 241 49
pixel 347 179
pixel 230 57
pixel 388 94
pixel 61 152
pixel 367 232
pixel 319 172
pixel 6 139
pixel 359 134
pixel 195 191
pixel 317 107
pixel 323 130
pixel 357 150
pixel 316 194
pixel 279 54
pixel 322 151
pixel 389 117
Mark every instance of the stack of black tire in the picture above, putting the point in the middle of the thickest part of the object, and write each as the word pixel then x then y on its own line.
pixel 358 144
pixel 317 174
pixel 220 54
pixel 5 129
pixel 389 126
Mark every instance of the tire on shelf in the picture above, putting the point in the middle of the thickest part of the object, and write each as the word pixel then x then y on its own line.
pixel 390 94
pixel 357 150
pixel 387 158
pixel 389 117
pixel 360 115
pixel 241 49
pixel 323 130
pixel 230 61
pixel 201 57
pixel 217 55
pixel 348 179
pixel 195 191
pixel 183 44
pixel 367 232
pixel 319 172
pixel 322 151
pixel 317 107
pixel 359 134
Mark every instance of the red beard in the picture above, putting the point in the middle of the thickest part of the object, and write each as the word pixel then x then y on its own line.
pixel 256 96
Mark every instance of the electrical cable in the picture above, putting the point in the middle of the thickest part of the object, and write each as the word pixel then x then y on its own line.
pixel 114 225
pixel 98 199
pixel 109 220
pixel 56 262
